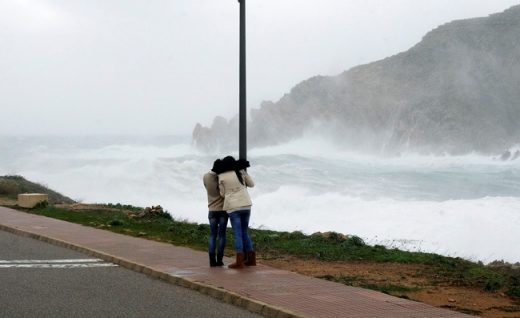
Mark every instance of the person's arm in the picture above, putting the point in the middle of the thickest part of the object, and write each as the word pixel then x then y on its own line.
pixel 204 181
pixel 247 179
pixel 221 187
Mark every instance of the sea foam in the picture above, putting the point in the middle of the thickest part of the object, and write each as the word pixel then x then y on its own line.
pixel 466 206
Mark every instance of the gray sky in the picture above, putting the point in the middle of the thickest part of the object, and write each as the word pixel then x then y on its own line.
pixel 160 66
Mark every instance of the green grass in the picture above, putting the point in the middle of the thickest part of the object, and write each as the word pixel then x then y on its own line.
pixel 334 248
pixel 357 281
pixel 160 228
pixel 273 244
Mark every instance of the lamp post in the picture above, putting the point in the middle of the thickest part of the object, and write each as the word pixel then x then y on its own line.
pixel 242 140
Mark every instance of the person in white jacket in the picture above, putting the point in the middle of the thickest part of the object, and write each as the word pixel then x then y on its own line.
pixel 233 183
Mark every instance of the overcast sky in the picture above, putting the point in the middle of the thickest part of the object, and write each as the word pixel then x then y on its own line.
pixel 81 67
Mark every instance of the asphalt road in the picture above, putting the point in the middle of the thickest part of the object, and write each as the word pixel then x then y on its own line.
pixel 38 279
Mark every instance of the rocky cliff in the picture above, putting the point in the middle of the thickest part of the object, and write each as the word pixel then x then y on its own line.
pixel 456 91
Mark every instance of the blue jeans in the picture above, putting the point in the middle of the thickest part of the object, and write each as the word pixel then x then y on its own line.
pixel 240 224
pixel 217 227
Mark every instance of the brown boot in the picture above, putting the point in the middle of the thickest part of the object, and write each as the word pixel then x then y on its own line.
pixel 251 259
pixel 239 263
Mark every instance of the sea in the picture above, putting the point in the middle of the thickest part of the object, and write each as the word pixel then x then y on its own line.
pixel 463 206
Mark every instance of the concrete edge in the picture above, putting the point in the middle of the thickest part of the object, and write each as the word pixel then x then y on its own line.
pixel 221 294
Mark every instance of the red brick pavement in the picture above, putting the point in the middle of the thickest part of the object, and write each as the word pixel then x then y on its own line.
pixel 266 290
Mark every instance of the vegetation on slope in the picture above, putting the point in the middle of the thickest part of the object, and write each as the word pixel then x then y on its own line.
pixel 11 186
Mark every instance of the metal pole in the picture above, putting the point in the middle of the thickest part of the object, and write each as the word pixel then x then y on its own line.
pixel 242 150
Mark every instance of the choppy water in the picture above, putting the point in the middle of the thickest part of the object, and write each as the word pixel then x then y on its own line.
pixel 466 206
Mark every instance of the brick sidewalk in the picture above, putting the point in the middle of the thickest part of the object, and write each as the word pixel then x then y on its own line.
pixel 261 289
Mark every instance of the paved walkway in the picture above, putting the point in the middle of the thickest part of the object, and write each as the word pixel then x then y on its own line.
pixel 261 289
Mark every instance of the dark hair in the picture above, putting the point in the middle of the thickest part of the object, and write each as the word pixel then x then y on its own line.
pixel 242 164
pixel 217 166
pixel 230 164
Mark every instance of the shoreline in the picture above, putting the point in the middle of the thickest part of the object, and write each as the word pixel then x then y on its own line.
pixel 447 282
pixel 436 280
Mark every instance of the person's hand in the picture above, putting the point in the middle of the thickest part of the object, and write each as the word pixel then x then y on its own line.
pixel 242 164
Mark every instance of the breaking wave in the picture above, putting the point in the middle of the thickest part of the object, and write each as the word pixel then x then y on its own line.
pixel 466 206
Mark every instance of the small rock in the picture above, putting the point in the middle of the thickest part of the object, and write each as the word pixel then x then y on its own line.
pixel 451 300
pixel 506 155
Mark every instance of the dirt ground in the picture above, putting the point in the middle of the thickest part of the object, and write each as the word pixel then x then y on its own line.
pixel 467 300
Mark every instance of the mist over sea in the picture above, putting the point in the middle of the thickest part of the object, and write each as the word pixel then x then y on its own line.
pixel 467 206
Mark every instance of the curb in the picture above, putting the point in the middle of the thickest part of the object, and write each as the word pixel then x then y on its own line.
pixel 221 294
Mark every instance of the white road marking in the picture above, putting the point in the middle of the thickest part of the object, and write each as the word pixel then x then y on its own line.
pixel 55 263
pixel 33 261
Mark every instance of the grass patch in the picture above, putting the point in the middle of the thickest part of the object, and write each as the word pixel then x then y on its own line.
pixel 357 281
pixel 158 228
pixel 124 207
pixel 506 308
pixel 328 246
pixel 463 310
pixel 116 222
pixel 514 291
pixel 390 288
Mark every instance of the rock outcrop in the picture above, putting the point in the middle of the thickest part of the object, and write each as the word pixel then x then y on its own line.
pixel 456 91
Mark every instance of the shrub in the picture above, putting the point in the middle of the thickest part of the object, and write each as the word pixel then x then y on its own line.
pixel 336 237
pixel 297 235
pixel 41 205
pixel 116 222
pixel 8 187
pixel 204 228
pixel 494 283
pixel 513 291
pixel 354 241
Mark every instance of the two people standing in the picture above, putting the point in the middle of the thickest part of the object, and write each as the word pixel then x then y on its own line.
pixel 226 186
